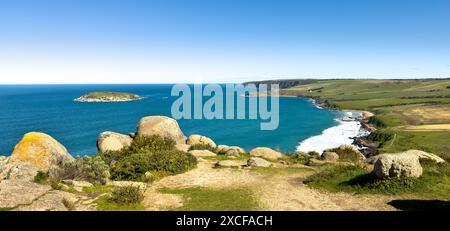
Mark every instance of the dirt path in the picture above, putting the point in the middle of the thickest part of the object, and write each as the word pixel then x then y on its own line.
pixel 282 192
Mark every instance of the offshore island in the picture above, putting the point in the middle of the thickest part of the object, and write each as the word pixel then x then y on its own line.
pixel 106 97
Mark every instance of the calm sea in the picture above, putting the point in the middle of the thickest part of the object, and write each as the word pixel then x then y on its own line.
pixel 51 109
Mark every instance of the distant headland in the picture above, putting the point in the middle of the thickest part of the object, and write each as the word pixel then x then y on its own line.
pixel 105 97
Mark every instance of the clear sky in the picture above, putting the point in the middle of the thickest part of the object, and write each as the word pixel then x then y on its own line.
pixel 164 41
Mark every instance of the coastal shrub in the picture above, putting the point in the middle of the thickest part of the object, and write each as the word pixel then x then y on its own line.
pixel 126 195
pixel 140 144
pixel 314 154
pixel 92 169
pixel 377 122
pixel 202 147
pixel 41 177
pixel 298 158
pixel 135 166
pixel 153 154
pixel 380 137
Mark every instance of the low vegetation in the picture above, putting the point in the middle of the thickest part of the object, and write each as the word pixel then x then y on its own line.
pixel 41 177
pixel 126 195
pixel 203 147
pixel 206 199
pixel 92 169
pixel 298 158
pixel 152 154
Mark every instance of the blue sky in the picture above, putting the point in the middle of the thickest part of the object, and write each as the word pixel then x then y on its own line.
pixel 163 41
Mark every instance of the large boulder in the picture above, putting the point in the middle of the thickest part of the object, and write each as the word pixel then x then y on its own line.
pixel 198 139
pixel 348 152
pixel 258 162
pixel 202 153
pixel 40 150
pixel 266 153
pixel 230 150
pixel 329 156
pixel 397 165
pixel 162 126
pixel 426 156
pixel 183 147
pixel 111 141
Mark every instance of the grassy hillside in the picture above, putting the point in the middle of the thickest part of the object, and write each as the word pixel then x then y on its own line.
pixel 402 107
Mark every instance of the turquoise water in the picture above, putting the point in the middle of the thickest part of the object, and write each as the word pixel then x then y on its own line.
pixel 51 109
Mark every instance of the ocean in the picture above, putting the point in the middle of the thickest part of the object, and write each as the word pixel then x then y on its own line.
pixel 51 109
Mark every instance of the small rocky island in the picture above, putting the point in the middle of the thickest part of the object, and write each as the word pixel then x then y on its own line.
pixel 105 97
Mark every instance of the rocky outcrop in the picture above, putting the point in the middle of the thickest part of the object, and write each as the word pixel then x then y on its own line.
pixel 182 147
pixel 198 139
pixel 21 171
pixel 40 150
pixel 162 126
pixel 397 165
pixel 348 152
pixel 329 157
pixel 36 151
pixel 14 193
pixel 266 153
pixel 421 154
pixel 230 150
pixel 202 153
pixel 112 141
pixel 426 156
pixel 258 162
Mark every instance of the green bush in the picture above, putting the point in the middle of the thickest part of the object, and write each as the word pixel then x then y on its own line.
pixel 377 122
pixel 202 147
pixel 140 145
pixel 135 166
pixel 314 154
pixel 92 169
pixel 148 154
pixel 298 158
pixel 126 195
pixel 41 177
pixel 380 137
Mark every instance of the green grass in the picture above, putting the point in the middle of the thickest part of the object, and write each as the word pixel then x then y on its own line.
pixel 205 199
pixel 437 142
pixel 104 204
pixel 281 171
pixel 98 189
pixel 434 183
pixel 5 209
pixel 391 101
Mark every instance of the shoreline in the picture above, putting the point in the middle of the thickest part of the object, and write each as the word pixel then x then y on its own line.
pixel 346 132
